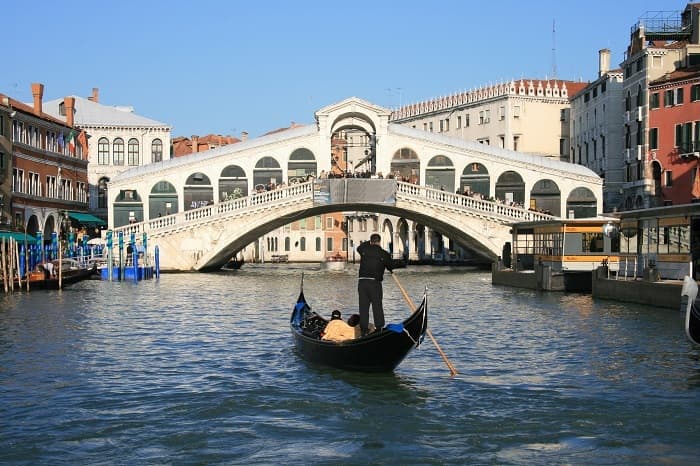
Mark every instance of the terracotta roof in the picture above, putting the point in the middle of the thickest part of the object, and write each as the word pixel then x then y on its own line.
pixel 678 75
pixel 25 108
pixel 680 44
pixel 183 145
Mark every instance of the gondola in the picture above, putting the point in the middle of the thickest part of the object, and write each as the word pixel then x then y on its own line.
pixel 233 264
pixel 692 313
pixel 380 351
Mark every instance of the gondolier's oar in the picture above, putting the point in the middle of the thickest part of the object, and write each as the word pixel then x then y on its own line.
pixel 452 369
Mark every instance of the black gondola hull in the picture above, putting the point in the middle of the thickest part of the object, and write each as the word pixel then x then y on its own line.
pixel 381 351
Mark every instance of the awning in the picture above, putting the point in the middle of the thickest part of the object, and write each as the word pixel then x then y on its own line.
pixel 17 236
pixel 86 219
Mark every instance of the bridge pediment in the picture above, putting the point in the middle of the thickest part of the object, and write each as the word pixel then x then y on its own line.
pixel 352 105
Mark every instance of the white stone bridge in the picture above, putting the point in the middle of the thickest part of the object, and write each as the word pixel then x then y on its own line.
pixel 206 238
pixel 186 205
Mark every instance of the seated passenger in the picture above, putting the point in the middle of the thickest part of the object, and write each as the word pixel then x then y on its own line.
pixel 353 320
pixel 337 329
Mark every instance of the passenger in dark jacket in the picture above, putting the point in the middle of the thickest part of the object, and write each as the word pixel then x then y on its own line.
pixel 373 261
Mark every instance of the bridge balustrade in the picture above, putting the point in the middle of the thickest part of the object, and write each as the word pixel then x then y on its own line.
pixel 222 209
pixel 504 211
pixel 301 191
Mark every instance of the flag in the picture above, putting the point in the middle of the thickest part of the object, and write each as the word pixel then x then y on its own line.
pixel 69 141
pixel 60 141
pixel 82 139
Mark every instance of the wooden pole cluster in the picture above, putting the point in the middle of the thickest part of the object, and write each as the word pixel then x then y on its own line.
pixel 10 265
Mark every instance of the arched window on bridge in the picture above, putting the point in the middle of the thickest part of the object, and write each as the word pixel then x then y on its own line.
pixel 440 173
pixel 302 244
pixel 198 191
pixel 128 208
pixel 162 200
pixel 233 183
pixel 510 188
pixel 581 203
pixel 267 173
pixel 318 244
pixel 475 179
pixel 302 163
pixel 546 197
pixel 287 244
pixel 405 165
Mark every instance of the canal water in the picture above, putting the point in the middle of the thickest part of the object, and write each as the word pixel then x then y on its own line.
pixel 201 369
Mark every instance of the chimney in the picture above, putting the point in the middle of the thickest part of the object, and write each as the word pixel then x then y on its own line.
pixel 244 136
pixel 195 143
pixel 95 97
pixel 38 93
pixel 69 105
pixel 603 62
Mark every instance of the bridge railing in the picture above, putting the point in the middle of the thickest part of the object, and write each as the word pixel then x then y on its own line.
pixel 496 209
pixel 304 190
pixel 219 210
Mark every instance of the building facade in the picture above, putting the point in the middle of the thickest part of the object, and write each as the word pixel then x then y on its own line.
pixel 528 115
pixel 48 166
pixel 597 129
pixel 5 161
pixel 659 44
pixel 119 140
pixel 674 136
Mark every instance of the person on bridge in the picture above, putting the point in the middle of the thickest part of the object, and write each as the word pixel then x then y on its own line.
pixel 373 261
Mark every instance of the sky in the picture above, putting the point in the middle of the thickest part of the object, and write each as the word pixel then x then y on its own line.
pixel 224 67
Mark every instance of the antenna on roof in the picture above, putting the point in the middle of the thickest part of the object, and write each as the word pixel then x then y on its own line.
pixel 554 50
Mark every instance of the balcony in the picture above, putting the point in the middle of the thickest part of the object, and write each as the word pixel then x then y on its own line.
pixel 689 149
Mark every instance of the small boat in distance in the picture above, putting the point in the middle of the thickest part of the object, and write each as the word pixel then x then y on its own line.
pixel 380 351
pixel 335 262
pixel 692 313
pixel 234 264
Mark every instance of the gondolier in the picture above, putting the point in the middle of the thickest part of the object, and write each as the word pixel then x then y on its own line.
pixel 373 261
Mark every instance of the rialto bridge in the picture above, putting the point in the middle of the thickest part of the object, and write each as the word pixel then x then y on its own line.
pixel 202 208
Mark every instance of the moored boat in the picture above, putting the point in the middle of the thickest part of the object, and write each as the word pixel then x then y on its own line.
pixel 54 275
pixel 380 351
